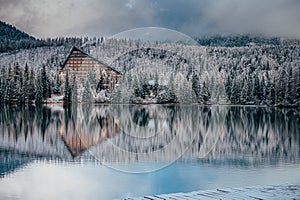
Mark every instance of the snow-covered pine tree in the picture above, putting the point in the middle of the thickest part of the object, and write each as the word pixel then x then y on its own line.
pixel 25 97
pixel 10 86
pixel 116 96
pixel 267 89
pixel 87 96
pixel 46 85
pixel 32 86
pixel 67 88
pixel 39 90
pixel 2 84
pixel 235 91
pixel 20 88
pixel 196 85
pixel 297 86
pixel 156 83
pixel 57 83
pixel 74 92
pixel 290 87
pixel 107 81
pixel 15 83
pixel 171 97
pixel 205 93
pixel 100 85
pixel 136 87
pixel 92 78
pixel 256 89
pixel 280 88
pixel 228 82
pixel 272 94
pixel 244 92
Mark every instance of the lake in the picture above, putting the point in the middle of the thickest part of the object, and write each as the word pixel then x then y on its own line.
pixel 118 151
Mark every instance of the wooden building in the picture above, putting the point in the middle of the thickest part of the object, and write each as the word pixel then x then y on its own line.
pixel 80 64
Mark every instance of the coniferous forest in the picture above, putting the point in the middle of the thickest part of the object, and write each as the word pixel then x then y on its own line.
pixel 248 70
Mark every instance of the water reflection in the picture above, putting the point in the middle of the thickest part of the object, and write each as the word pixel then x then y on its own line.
pixel 158 133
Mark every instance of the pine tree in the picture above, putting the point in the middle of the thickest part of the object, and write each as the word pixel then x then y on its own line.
pixel 25 97
pixel 171 91
pixel 195 85
pixel 46 86
pixel 280 88
pixel 297 87
pixel 10 86
pixel 116 96
pixel 250 96
pixel 92 78
pixel 67 88
pixel 32 86
pixel 244 91
pixel 100 85
pixel 256 89
pixel 74 97
pixel 20 88
pixel 39 90
pixel 263 90
pixel 137 88
pixel 57 84
pixel 228 83
pixel 15 84
pixel 272 94
pixel 2 85
pixel 205 93
pixel 235 92
pixel 268 89
pixel 144 86
pixel 87 96
pixel 107 82
pixel 155 87
pixel 290 90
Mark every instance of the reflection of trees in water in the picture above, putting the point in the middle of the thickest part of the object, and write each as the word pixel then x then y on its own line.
pixel 145 128
pixel 151 132
pixel 213 132
pixel 30 130
pixel 178 129
pixel 141 117
pixel 261 133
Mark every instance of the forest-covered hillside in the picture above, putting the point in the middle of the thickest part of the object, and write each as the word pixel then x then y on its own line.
pixel 233 69
pixel 243 40
pixel 13 39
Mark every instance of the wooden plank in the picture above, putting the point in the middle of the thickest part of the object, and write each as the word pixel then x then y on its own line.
pixel 207 195
pixel 166 196
pixel 152 198
pixel 178 196
pixel 189 196
pixel 287 191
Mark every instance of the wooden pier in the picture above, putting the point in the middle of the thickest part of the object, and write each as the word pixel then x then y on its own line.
pixel 288 191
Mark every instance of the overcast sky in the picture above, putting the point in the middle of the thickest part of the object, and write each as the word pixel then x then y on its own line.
pixel 51 18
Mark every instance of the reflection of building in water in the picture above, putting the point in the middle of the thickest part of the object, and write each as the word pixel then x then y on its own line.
pixel 81 137
pixel 53 135
pixel 152 133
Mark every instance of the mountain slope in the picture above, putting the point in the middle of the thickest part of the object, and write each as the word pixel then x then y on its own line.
pixel 12 39
pixel 9 32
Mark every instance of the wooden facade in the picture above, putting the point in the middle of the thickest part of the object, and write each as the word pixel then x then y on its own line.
pixel 79 64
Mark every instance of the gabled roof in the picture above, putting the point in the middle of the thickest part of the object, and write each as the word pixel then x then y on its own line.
pixel 98 61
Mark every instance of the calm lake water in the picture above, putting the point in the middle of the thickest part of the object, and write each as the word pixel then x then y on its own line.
pixel 118 151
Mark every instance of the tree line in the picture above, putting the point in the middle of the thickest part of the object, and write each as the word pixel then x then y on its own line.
pixel 26 85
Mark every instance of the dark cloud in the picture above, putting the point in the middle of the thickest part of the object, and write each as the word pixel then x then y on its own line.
pixel 43 18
